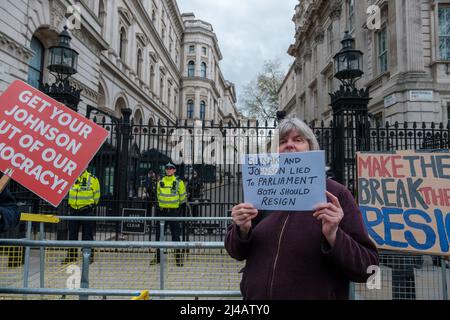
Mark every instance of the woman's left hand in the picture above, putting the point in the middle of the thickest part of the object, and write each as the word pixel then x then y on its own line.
pixel 331 215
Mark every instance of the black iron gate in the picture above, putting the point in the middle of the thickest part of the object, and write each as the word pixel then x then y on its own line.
pixel 213 150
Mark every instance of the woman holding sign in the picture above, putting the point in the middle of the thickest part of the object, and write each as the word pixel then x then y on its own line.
pixel 301 255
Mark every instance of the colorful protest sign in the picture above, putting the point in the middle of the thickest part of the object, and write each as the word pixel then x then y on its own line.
pixel 44 145
pixel 404 199
pixel 285 181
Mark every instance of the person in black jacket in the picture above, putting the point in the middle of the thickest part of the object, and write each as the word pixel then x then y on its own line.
pixel 9 211
pixel 195 192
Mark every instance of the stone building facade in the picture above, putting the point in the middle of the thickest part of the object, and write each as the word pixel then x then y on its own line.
pixel 406 58
pixel 206 94
pixel 131 55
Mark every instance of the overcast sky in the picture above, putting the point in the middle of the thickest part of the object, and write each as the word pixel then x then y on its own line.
pixel 249 32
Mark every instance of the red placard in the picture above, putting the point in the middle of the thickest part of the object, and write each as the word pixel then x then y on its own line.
pixel 44 145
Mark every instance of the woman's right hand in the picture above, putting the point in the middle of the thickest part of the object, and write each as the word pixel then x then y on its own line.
pixel 242 215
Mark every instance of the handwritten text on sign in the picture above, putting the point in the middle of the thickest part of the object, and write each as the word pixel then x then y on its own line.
pixel 44 145
pixel 405 200
pixel 286 181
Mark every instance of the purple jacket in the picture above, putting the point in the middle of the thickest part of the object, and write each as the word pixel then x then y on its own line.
pixel 289 258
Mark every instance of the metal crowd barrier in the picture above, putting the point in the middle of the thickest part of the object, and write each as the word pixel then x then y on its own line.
pixel 125 268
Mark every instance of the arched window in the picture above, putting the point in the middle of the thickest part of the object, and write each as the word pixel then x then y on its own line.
pixel 203 70
pixel 120 104
pixel 139 63
pixel 137 119
pixel 190 109
pixel 36 64
pixel 101 100
pixel 123 44
pixel 202 110
pixel 191 69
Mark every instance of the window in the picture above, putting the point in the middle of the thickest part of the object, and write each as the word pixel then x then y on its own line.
pixel 315 104
pixel 175 99
pixel 123 44
pixel 161 89
pixel 152 78
pixel 351 15
pixel 303 72
pixel 382 51
pixel 316 59
pixel 204 51
pixel 163 34
pixel 169 96
pixel 102 14
pixel 302 106
pixel 203 70
pixel 190 109
pixel 448 113
pixel 191 69
pixel 154 16
pixel 330 39
pixel 139 63
pixel 444 33
pixel 36 64
pixel 191 49
pixel 330 87
pixel 202 110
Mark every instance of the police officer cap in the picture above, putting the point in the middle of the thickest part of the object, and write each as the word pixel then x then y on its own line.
pixel 170 165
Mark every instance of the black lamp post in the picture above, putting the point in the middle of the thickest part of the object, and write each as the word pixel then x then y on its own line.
pixel 63 63
pixel 350 114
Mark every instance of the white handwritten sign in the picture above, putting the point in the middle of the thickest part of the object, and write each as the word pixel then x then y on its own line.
pixel 286 181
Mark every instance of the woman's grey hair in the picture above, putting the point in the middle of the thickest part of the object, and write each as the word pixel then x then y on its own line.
pixel 289 124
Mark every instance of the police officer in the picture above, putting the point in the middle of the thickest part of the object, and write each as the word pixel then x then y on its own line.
pixel 171 193
pixel 83 197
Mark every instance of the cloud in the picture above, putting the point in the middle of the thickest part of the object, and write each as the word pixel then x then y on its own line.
pixel 249 32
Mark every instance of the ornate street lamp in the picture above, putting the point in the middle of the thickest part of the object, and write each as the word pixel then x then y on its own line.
pixel 350 114
pixel 348 62
pixel 63 63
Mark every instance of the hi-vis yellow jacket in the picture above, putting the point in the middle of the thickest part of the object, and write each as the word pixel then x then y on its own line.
pixel 85 191
pixel 171 192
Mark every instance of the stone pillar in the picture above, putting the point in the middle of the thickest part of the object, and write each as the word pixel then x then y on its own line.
pixel 197 103
pixel 414 50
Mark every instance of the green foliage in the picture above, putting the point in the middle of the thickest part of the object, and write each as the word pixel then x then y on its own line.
pixel 260 98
